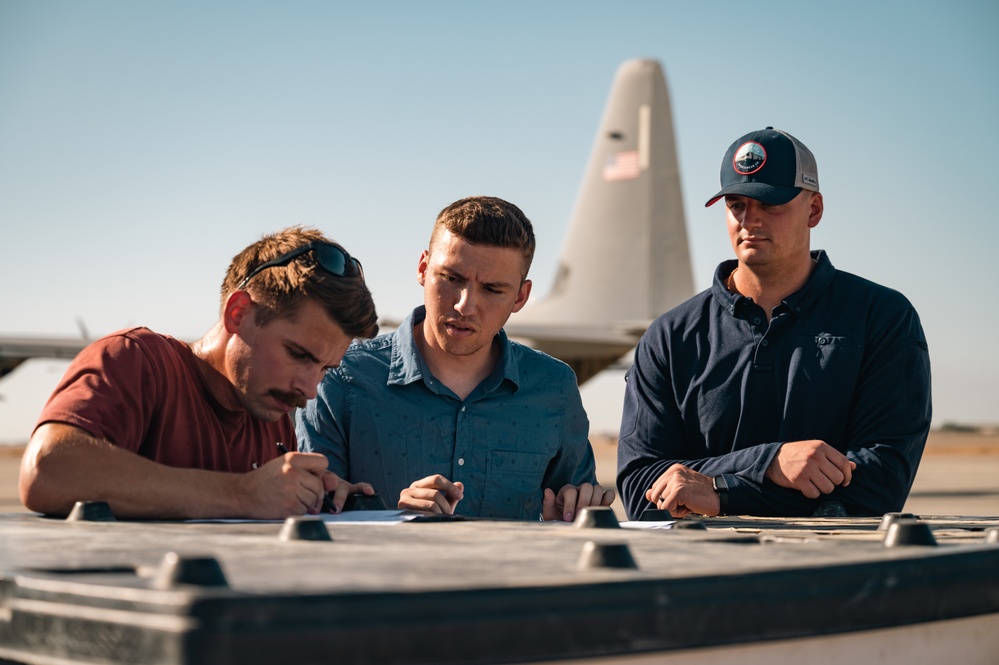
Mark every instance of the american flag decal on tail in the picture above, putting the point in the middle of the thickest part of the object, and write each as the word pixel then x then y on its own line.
pixel 622 166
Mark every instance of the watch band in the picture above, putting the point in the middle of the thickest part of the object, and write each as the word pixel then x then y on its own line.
pixel 720 486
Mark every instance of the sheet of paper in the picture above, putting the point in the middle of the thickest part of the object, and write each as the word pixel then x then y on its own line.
pixel 649 525
pixel 370 517
pixel 349 517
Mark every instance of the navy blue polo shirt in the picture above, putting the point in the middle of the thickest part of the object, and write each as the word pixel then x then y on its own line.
pixel 718 388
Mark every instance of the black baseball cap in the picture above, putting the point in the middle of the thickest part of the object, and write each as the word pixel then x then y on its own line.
pixel 767 165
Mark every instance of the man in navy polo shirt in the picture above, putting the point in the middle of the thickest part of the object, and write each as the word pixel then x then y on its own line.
pixel 788 387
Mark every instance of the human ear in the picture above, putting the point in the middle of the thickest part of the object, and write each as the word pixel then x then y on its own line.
pixel 816 207
pixel 522 295
pixel 238 307
pixel 421 267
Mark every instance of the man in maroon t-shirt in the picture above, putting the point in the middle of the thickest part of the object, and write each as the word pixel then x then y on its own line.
pixel 162 429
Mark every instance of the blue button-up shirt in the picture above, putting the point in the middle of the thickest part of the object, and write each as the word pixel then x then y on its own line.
pixel 383 418
pixel 718 388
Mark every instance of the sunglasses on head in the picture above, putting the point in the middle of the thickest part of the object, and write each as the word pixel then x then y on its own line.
pixel 330 258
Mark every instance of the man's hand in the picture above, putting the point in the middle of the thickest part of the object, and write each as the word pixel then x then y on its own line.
pixel 435 494
pixel 343 489
pixel 573 498
pixel 812 467
pixel 683 491
pixel 293 484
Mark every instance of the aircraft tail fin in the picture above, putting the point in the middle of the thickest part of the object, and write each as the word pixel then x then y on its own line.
pixel 625 259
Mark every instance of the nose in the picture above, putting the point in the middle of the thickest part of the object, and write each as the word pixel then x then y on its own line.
pixel 307 382
pixel 750 217
pixel 312 388
pixel 466 302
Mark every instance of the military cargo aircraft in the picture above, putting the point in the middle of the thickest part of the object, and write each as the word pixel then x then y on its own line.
pixel 625 258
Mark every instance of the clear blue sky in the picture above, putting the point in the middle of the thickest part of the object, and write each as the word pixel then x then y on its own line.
pixel 143 144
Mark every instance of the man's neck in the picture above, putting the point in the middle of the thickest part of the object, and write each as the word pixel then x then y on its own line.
pixel 210 352
pixel 769 286
pixel 461 374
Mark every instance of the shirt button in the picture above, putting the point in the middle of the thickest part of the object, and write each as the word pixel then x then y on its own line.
pixel 463 409
pixel 461 461
pixel 756 321
pixel 764 343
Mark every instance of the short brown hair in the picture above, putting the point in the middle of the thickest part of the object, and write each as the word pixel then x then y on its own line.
pixel 280 291
pixel 488 220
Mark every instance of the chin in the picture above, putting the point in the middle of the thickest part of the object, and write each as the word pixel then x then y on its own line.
pixel 269 415
pixel 467 347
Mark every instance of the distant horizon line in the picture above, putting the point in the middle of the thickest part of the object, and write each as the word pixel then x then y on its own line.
pixel 952 428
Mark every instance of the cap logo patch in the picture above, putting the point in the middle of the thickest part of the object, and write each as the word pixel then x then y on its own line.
pixel 749 158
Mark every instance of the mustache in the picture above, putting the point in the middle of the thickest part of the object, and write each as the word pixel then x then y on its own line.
pixel 291 399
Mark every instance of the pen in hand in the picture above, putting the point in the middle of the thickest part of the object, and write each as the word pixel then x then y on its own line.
pixel 328 506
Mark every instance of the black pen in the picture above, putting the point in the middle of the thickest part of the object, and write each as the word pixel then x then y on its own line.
pixel 328 506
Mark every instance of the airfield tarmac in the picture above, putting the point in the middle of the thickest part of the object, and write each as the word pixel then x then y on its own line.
pixel 959 475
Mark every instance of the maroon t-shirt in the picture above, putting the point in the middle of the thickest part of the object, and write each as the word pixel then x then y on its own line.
pixel 142 391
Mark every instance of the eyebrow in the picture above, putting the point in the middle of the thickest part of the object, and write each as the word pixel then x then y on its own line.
pixel 298 348
pixel 497 285
pixel 451 271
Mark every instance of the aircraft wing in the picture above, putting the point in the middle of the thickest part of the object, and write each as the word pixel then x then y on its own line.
pixel 575 335
pixel 15 350
pixel 587 349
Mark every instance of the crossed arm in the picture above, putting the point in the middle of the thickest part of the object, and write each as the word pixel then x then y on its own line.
pixel 64 464
pixel 811 467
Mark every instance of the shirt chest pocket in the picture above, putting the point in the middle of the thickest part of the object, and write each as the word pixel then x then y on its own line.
pixel 514 484
pixel 824 362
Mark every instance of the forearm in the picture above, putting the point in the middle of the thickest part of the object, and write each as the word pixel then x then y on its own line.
pixel 765 499
pixel 63 465
pixel 882 479
pixel 638 469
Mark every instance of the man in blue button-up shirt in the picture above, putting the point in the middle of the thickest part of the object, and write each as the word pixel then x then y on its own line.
pixel 788 383
pixel 446 409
